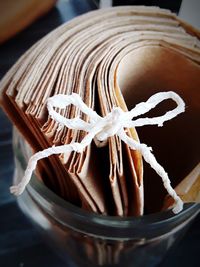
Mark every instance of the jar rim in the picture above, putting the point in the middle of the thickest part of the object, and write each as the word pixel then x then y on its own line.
pixel 69 215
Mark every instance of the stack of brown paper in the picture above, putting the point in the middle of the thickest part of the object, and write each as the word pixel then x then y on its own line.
pixel 110 57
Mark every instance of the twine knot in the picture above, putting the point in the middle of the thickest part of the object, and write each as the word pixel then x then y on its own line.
pixel 111 124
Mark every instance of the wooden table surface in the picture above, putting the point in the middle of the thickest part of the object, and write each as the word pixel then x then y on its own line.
pixel 20 244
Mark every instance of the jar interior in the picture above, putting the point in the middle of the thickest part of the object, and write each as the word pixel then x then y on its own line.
pixel 142 73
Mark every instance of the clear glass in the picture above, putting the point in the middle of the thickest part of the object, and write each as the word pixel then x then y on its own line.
pixel 96 240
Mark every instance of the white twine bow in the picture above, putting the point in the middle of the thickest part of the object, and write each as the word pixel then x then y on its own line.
pixel 104 127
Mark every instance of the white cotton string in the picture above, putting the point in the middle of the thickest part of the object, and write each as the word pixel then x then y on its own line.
pixel 102 128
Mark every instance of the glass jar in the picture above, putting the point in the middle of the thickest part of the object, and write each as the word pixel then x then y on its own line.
pixel 97 240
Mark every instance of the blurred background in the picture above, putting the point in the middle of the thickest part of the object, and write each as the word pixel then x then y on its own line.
pixel 22 23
